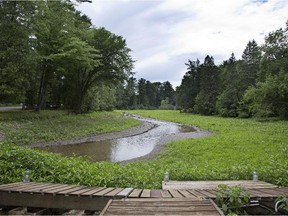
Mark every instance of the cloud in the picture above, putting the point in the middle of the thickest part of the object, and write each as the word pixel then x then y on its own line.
pixel 164 34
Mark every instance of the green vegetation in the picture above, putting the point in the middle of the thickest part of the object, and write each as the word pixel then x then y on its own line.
pixel 255 85
pixel 237 148
pixel 232 199
pixel 28 127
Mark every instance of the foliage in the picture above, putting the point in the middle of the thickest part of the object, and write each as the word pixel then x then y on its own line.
pixel 252 85
pixel 205 102
pixel 52 55
pixel 237 148
pixel 269 98
pixel 232 199
pixel 283 207
pixel 29 127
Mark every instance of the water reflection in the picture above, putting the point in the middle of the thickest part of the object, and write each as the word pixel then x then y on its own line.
pixel 124 148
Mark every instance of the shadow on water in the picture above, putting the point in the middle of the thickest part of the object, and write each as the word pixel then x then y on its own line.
pixel 123 149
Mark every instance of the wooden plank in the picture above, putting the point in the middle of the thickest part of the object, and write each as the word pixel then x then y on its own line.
pixel 148 206
pixel 39 188
pixel 145 193
pixel 207 193
pixel 175 193
pixel 156 194
pixel 256 193
pixel 19 186
pixel 271 192
pixel 91 192
pixel 114 192
pixel 214 184
pixel 186 194
pixel 166 194
pixel 50 201
pixel 5 186
pixel 216 207
pixel 105 208
pixel 135 193
pixel 125 192
pixel 70 190
pixel 55 190
pixel 79 192
pixel 48 189
pixel 282 189
pixel 103 192
pixel 197 194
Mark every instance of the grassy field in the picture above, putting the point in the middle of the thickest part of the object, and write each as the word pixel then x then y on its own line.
pixel 237 148
pixel 28 127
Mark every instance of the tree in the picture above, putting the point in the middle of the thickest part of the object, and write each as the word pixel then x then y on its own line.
pixel 205 102
pixel 249 66
pixel 190 86
pixel 17 64
pixel 142 93
pixel 52 25
pixel 269 98
pixel 270 95
pixel 167 91
pixel 228 100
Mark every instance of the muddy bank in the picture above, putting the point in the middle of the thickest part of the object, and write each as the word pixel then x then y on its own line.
pixel 142 142
pixel 140 129
pixel 160 146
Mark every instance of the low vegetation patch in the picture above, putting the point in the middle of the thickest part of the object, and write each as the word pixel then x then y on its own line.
pixel 28 127
pixel 237 148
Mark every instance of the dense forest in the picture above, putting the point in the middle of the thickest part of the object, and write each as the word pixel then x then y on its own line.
pixel 51 56
pixel 256 85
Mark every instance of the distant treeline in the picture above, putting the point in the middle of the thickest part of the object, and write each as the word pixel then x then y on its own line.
pixel 52 56
pixel 256 85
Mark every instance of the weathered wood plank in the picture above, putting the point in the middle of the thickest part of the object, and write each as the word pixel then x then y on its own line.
pixel 214 184
pixel 145 193
pixel 103 192
pixel 92 191
pixel 135 193
pixel 170 206
pixel 79 192
pixel 72 190
pixel 156 194
pixel 196 193
pixel 207 193
pixel 65 189
pixel 11 185
pixel 50 201
pixel 271 192
pixel 125 192
pixel 19 187
pixel 186 194
pixel 39 188
pixel 114 192
pixel 58 189
pixel 175 193
pixel 166 194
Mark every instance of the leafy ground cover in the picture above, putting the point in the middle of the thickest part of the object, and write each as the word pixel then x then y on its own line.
pixel 237 148
pixel 27 127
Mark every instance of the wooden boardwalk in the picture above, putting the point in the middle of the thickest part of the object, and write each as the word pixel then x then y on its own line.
pixel 175 206
pixel 63 196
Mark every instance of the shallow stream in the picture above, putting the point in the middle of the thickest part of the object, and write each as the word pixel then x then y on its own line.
pixel 127 148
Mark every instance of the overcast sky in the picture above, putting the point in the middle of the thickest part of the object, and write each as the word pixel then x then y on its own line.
pixel 164 34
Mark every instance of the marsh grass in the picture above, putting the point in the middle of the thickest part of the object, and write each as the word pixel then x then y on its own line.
pixel 237 148
pixel 28 127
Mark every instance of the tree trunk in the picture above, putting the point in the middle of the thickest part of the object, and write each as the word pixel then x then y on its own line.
pixel 42 92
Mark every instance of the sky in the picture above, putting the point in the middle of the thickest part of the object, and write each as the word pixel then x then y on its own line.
pixel 164 34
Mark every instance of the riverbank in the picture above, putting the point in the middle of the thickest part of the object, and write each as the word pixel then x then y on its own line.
pixel 237 148
pixel 29 128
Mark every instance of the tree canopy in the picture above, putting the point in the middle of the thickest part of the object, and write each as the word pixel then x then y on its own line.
pixel 255 85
